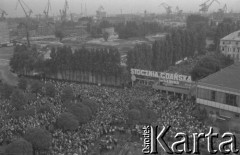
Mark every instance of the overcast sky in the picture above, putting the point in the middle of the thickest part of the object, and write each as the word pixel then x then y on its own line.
pixel 114 6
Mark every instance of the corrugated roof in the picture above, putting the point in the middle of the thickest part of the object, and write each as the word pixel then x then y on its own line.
pixel 233 36
pixel 228 77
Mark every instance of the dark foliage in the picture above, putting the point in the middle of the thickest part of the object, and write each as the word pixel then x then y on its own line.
pixel 210 64
pixel 67 121
pixel 83 113
pixel 19 147
pixel 40 139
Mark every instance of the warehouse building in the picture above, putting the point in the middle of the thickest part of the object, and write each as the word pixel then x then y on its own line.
pixel 219 94
pixel 230 45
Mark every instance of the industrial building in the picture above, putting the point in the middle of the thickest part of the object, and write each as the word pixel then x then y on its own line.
pixel 219 94
pixel 4 33
pixel 230 45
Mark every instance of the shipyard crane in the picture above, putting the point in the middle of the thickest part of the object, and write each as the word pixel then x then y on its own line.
pixel 63 12
pixel 224 9
pixel 3 13
pixel 206 5
pixel 167 8
pixel 178 11
pixel 47 9
pixel 27 11
pixel 100 9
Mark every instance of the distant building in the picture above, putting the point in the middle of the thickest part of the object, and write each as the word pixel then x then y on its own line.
pixel 22 32
pixel 219 94
pixel 230 45
pixel 45 29
pixel 4 33
pixel 101 14
pixel 111 32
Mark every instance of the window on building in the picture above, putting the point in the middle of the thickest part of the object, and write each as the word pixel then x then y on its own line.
pixel 213 95
pixel 237 115
pixel 223 42
pixel 231 99
pixel 233 49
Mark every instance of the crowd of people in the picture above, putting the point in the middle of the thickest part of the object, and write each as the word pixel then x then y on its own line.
pixel 98 133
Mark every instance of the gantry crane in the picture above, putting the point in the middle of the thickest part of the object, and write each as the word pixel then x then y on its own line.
pixel 63 12
pixel 47 9
pixel 178 11
pixel 167 7
pixel 27 11
pixel 224 9
pixel 206 5
pixel 3 13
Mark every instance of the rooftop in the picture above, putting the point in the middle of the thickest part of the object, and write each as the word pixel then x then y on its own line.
pixel 233 36
pixel 228 77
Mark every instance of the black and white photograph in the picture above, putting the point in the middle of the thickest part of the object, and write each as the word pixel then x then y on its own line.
pixel 119 77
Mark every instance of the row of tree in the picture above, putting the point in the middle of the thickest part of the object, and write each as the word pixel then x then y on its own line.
pixel 67 62
pixel 163 53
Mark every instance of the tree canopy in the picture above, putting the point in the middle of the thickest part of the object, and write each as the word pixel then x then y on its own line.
pixel 67 121
pixel 209 64
pixel 40 138
pixel 19 147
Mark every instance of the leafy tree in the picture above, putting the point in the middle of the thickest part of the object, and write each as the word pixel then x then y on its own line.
pixel 83 113
pixel 19 147
pixel 50 90
pixel 67 94
pixel 59 34
pixel 105 36
pixel 22 83
pixel 18 99
pixel 36 87
pixel 41 139
pixel 25 59
pixel 209 64
pixel 67 121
